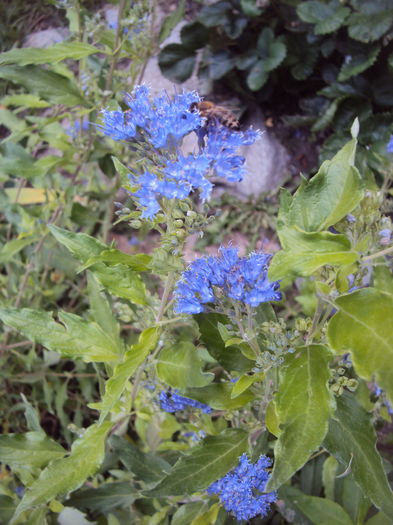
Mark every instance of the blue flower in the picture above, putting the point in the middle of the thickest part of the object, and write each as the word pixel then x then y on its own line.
pixel 172 402
pixel 163 121
pixel 240 490
pixel 240 278
pixel 389 147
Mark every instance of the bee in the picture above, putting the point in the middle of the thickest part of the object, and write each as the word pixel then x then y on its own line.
pixel 216 114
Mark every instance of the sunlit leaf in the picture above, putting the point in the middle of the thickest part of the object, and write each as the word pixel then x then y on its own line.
pixel 48 55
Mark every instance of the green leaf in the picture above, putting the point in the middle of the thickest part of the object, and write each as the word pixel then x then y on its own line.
pixel 208 461
pixel 218 396
pixel 229 358
pixel 176 62
pixel 76 339
pixel 123 371
pixel 329 196
pixel 223 15
pixel 16 161
pixel 180 366
pixel 146 467
pixel 171 21
pixel 25 100
pixel 257 77
pixel 383 279
pixel 194 35
pixel 220 63
pixel 188 512
pixel 304 252
pixel 48 55
pixel 351 440
pixel 320 511
pixel 33 449
pixel 378 519
pixel 327 18
pixel 13 247
pixel 360 326
pixel 101 311
pixel 303 404
pixel 118 279
pixel 244 382
pixel 272 51
pixel 354 65
pixel 7 508
pixel 106 497
pixel 48 85
pixel 372 21
pixel 138 262
pixel 67 474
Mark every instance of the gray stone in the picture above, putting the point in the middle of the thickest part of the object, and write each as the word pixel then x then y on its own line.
pixel 46 37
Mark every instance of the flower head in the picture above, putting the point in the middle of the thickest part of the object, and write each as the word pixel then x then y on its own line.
pixel 240 278
pixel 240 490
pixel 172 402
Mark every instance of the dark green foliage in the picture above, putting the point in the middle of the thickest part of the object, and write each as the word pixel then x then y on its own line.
pixel 284 53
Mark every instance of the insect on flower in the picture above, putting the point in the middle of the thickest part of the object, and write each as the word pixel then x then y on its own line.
pixel 216 114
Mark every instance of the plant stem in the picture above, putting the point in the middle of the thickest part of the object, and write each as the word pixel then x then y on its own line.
pixel 116 50
pixel 378 254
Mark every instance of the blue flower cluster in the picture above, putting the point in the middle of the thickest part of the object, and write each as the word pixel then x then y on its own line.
pixel 240 278
pixel 172 402
pixel 239 490
pixel 389 147
pixel 163 122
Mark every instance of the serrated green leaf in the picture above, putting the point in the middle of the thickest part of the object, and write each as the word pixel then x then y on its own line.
pixel 47 84
pixel 106 497
pixel 25 100
pixel 329 196
pixel 138 262
pixel 223 15
pixel 358 63
pixel 146 467
pixel 176 62
pixel 193 35
pixel 122 372
pixel 304 404
pixel 118 279
pixel 220 63
pixel 67 474
pixel 33 449
pixel 75 338
pixel 208 461
pixel 327 18
pixel 180 366
pixel 320 511
pixel 372 22
pixel 360 327
pixel 48 55
pixel 351 440
pixel 218 396
pixel 304 252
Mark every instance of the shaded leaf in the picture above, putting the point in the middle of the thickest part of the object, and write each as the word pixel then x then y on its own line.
pixel 358 63
pixel 176 62
pixel 86 456
pixel 106 497
pixel 123 371
pixel 171 21
pixel 327 18
pixel 303 404
pixel 48 85
pixel 208 461
pixel 320 511
pixel 33 449
pixel 147 467
pixel 351 440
